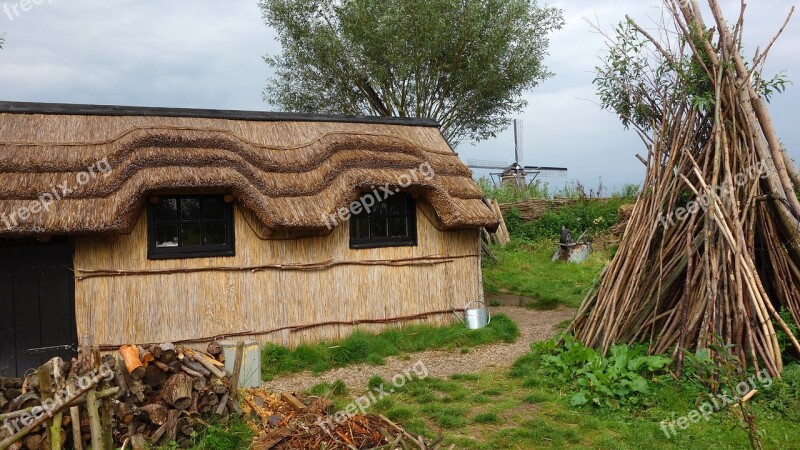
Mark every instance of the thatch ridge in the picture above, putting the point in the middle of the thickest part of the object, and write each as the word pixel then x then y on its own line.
pixel 288 180
pixel 155 111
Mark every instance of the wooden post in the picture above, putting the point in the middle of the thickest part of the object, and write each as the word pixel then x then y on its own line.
pixel 95 428
pixel 105 423
pixel 77 436
pixel 48 387
pixel 237 369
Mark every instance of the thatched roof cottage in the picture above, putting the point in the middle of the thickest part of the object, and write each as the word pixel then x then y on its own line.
pixel 123 224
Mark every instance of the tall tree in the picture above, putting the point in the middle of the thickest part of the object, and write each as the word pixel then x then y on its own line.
pixel 465 63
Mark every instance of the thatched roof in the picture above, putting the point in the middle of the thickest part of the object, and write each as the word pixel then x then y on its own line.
pixel 290 170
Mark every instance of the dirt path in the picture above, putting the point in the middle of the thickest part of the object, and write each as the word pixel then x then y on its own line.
pixel 533 325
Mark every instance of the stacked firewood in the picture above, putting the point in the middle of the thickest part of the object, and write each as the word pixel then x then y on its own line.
pixel 141 396
pixel 10 389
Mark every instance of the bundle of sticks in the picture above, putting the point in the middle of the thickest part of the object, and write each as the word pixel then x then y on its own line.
pixel 500 236
pixel 712 249
pixel 141 396
pixel 295 422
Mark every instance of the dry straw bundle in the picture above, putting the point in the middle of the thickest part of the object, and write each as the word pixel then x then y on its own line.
pixel 713 245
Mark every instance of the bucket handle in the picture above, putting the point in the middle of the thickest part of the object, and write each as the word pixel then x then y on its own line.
pixel 459 317
pixel 488 313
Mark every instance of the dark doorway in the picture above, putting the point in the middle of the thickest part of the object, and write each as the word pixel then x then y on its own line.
pixel 37 303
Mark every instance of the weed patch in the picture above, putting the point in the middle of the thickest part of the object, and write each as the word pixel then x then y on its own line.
pixel 612 380
pixel 220 436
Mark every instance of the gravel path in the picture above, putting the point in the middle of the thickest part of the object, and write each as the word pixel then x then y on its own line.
pixel 533 325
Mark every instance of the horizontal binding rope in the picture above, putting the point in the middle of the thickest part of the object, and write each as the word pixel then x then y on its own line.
pixel 293 328
pixel 82 274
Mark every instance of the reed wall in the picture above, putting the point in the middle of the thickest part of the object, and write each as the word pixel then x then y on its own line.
pixel 205 297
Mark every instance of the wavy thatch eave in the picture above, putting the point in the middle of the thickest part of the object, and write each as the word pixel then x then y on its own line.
pixel 291 175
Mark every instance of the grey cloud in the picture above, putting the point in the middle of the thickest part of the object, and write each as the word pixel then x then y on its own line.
pixel 205 53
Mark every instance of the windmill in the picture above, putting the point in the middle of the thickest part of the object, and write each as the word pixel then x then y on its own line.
pixel 516 174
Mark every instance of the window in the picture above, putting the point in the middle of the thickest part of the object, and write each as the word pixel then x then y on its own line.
pixel 390 223
pixel 189 227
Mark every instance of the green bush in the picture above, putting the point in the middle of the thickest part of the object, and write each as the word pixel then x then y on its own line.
pixel 541 190
pixel 590 215
pixel 785 343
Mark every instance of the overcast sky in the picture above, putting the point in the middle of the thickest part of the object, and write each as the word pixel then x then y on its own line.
pixel 208 54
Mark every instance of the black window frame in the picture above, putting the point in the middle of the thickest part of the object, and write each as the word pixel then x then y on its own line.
pixel 193 251
pixel 410 215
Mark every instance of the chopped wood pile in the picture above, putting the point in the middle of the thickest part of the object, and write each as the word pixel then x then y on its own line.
pixel 143 396
pixel 712 250
pixel 295 422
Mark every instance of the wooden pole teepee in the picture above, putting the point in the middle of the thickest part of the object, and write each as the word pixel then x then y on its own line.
pixel 712 249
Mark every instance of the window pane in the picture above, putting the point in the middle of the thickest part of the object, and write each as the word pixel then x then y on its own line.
pixel 166 209
pixel 166 235
pixel 397 204
pixel 397 227
pixel 360 228
pixel 190 234
pixel 214 234
pixel 363 211
pixel 190 209
pixel 380 208
pixel 379 228
pixel 213 208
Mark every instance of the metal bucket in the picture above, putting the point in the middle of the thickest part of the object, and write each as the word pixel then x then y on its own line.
pixel 475 318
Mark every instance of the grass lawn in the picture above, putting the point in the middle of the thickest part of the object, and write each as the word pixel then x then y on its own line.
pixel 519 409
pixel 526 269
pixel 371 348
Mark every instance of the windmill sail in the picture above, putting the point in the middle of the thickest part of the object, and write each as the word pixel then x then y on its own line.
pixel 483 164
pixel 515 171
pixel 518 141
